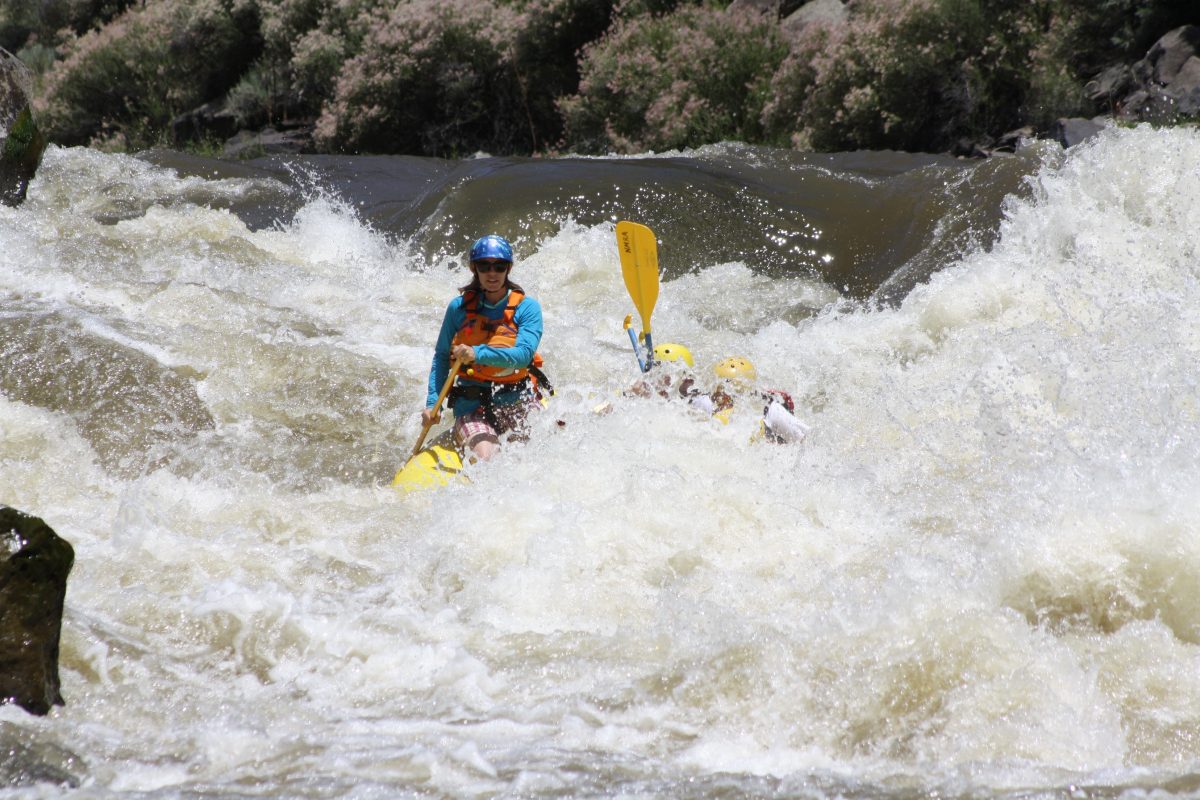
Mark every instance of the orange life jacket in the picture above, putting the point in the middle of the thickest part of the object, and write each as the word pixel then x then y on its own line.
pixel 478 329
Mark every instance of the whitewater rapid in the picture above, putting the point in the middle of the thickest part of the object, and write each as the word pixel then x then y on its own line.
pixel 979 575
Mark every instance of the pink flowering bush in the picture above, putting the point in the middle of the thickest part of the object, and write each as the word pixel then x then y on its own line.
pixel 449 77
pixel 135 74
pixel 921 74
pixel 317 58
pixel 430 79
pixel 697 75
pixel 902 74
pixel 304 44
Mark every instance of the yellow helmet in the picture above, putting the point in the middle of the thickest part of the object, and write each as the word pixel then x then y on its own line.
pixel 670 351
pixel 736 369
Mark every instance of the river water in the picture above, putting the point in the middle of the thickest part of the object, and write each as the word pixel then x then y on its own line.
pixel 978 576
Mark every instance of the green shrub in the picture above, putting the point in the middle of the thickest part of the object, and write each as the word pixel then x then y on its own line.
pixel 1094 34
pixel 449 77
pixel 305 43
pixel 38 57
pixel 132 76
pixel 691 77
pixel 544 58
pixel 433 79
pixel 1053 85
pixel 920 74
pixel 285 21
pixel 317 58
pixel 1081 38
pixel 259 95
pixel 21 20
pixel 910 75
pixel 17 21
pixel 41 20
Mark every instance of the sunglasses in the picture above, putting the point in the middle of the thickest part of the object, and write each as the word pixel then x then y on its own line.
pixel 491 266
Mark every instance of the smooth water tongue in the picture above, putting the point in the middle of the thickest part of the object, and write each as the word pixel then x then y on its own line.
pixel 975 574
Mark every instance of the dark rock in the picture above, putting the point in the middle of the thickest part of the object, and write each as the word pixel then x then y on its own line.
pixel 255 144
pixel 1153 104
pixel 1011 142
pixel 967 147
pixel 1133 105
pixel 209 121
pixel 20 158
pixel 1166 83
pixel 776 8
pixel 832 13
pixel 33 583
pixel 1070 131
pixel 764 7
pixel 986 147
pixel 1168 55
pixel 1185 87
pixel 1111 84
pixel 23 142
pixel 1163 87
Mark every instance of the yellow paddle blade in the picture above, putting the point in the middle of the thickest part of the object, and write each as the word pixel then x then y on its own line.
pixel 639 265
pixel 432 467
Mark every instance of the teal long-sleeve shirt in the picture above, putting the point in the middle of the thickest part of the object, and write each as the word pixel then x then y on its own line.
pixel 528 319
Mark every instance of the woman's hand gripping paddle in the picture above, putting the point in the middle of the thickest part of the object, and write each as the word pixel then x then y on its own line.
pixel 639 266
pixel 430 469
pixel 454 368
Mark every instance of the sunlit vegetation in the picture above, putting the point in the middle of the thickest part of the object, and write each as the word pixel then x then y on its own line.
pixel 454 77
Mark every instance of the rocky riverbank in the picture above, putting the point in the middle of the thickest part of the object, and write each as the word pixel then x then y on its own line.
pixel 1163 87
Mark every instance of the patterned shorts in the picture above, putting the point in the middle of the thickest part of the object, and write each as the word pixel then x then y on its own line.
pixel 511 419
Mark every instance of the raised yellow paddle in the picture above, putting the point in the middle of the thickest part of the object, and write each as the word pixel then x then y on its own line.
pixel 639 266
pixel 434 466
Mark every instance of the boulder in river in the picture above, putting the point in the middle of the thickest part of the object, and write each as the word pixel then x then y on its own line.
pixel 1070 131
pixel 33 584
pixel 21 142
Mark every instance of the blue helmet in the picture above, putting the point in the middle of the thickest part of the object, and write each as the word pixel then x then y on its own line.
pixel 492 246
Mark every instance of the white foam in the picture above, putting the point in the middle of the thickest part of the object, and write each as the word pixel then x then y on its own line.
pixel 976 571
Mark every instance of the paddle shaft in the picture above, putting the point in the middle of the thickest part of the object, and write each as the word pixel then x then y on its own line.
pixel 643 364
pixel 637 351
pixel 454 368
